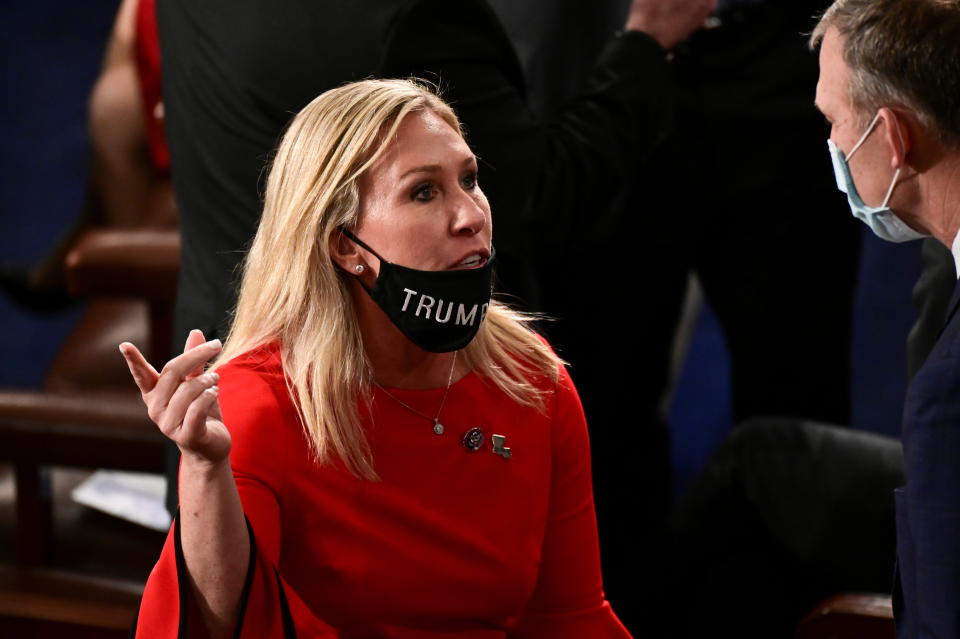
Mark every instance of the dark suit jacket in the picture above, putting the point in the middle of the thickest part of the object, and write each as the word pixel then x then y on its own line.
pixel 927 592
pixel 931 294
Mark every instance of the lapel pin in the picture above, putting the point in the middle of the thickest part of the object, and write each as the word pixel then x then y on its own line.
pixel 473 439
pixel 499 448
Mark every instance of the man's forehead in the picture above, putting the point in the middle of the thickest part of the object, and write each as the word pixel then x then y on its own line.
pixel 833 85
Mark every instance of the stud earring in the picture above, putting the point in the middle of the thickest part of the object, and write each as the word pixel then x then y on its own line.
pixel 358 268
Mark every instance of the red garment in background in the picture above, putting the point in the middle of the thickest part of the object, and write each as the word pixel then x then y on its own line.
pixel 451 543
pixel 147 47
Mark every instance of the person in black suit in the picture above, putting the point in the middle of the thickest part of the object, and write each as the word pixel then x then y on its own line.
pixel 729 196
pixel 903 123
pixel 738 186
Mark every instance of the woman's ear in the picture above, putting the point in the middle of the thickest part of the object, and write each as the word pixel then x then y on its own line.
pixel 345 253
pixel 896 136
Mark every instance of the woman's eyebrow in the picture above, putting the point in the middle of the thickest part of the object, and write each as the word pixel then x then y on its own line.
pixel 433 168
pixel 426 168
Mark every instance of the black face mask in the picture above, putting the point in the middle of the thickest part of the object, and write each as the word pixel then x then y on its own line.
pixel 439 311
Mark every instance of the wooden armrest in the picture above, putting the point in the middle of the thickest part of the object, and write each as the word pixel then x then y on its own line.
pixel 88 430
pixel 140 263
pixel 65 600
pixel 850 616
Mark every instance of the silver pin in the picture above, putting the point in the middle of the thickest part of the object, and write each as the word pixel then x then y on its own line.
pixel 473 439
pixel 498 446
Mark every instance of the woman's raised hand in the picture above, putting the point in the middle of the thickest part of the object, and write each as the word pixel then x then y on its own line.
pixel 182 400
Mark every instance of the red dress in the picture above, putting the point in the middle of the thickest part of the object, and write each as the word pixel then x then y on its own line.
pixel 451 542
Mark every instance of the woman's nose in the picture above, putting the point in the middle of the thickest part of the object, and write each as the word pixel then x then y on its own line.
pixel 469 215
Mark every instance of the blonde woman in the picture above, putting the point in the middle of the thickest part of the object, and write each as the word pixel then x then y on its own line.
pixel 379 449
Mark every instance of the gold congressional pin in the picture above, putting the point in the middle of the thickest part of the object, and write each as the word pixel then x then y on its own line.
pixel 498 446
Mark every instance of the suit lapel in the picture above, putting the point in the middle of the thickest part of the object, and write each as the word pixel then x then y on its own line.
pixel 951 308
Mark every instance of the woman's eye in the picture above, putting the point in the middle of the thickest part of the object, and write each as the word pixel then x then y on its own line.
pixel 470 180
pixel 422 193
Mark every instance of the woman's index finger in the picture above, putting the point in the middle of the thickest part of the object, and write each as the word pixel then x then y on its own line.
pixel 144 375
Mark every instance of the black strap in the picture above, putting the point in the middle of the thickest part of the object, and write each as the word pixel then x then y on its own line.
pixel 183 586
pixel 360 242
pixel 248 581
pixel 289 631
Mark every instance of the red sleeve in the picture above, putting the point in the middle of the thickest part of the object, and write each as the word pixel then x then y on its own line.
pixel 568 601
pixel 255 410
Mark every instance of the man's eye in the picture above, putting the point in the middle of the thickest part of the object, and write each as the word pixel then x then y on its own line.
pixel 469 180
pixel 422 193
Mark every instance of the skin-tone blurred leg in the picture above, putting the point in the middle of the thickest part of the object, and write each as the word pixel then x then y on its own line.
pixel 124 188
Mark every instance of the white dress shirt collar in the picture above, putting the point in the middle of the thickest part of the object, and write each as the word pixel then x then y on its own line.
pixel 955 249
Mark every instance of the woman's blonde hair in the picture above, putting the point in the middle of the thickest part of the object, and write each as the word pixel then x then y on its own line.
pixel 293 293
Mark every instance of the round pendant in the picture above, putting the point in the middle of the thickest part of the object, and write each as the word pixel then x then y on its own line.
pixel 473 439
pixel 437 427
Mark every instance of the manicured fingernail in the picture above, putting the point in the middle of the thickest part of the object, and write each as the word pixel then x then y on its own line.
pixel 214 377
pixel 214 390
pixel 214 343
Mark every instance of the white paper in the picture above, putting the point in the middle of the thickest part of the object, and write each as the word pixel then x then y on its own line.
pixel 136 497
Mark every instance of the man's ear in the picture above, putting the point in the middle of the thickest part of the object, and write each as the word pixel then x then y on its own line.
pixel 344 252
pixel 896 135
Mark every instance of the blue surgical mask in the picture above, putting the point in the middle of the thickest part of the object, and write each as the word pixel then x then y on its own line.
pixel 881 220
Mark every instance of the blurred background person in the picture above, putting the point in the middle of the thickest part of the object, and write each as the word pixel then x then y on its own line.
pixel 129 177
pixel 731 198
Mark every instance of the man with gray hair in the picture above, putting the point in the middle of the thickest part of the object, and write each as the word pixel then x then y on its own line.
pixel 890 88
